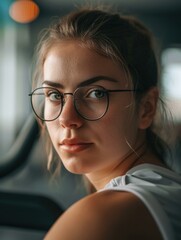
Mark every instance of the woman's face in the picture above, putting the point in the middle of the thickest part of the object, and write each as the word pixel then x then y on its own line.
pixel 89 146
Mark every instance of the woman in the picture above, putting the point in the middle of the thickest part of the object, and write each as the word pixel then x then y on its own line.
pixel 95 92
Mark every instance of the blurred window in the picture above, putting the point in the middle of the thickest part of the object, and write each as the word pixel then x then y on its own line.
pixel 171 81
pixel 14 81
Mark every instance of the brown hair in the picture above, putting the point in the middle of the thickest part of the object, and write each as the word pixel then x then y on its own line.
pixel 124 39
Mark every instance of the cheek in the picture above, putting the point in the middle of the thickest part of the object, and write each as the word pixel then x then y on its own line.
pixel 122 124
pixel 112 140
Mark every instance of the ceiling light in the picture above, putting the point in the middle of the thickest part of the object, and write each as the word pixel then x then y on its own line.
pixel 24 11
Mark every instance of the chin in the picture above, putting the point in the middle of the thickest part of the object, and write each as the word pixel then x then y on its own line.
pixel 76 170
pixel 76 164
pixel 76 167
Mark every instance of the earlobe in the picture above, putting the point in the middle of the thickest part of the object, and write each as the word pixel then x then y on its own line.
pixel 148 107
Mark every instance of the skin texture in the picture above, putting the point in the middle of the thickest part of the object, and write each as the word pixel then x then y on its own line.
pixel 100 149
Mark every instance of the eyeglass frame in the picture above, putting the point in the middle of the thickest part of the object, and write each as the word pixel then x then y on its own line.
pixel 107 91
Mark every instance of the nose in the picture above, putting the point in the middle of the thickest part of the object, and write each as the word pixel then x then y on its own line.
pixel 69 118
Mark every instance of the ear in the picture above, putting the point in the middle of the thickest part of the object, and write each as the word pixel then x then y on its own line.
pixel 147 108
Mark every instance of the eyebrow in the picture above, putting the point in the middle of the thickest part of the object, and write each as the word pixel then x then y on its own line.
pixel 82 84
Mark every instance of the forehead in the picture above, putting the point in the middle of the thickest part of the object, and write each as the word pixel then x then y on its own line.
pixel 69 62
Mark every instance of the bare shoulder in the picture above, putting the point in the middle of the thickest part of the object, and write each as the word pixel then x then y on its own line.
pixel 104 216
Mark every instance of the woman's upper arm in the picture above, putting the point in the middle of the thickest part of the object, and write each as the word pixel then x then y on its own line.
pixel 105 216
pixel 80 221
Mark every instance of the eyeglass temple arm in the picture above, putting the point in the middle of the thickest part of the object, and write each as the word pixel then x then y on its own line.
pixel 123 90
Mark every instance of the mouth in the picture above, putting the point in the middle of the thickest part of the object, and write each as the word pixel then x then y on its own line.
pixel 74 146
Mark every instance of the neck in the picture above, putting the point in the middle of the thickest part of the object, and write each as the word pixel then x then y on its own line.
pixel 135 157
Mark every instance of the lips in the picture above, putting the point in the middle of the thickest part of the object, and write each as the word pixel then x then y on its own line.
pixel 74 145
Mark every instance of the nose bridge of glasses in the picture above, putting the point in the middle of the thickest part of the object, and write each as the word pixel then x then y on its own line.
pixel 65 96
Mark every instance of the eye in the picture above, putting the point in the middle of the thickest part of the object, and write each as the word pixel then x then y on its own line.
pixel 54 96
pixel 96 93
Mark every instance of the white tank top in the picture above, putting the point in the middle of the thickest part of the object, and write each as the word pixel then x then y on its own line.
pixel 160 191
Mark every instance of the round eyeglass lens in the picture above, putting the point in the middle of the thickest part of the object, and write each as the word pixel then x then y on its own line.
pixel 91 102
pixel 47 103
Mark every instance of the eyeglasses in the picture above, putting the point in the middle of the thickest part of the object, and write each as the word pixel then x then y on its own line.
pixel 90 102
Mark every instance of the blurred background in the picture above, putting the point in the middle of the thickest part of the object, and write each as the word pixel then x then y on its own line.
pixel 20 30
